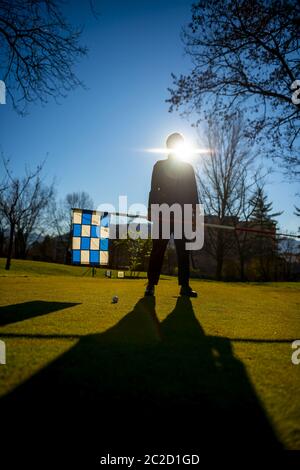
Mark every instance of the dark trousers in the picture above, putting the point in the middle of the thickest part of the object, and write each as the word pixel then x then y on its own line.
pixel 157 256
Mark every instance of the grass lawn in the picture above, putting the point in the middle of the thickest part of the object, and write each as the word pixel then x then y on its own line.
pixel 225 355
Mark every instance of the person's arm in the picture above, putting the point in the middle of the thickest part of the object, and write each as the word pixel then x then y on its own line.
pixel 154 184
pixel 194 198
pixel 193 189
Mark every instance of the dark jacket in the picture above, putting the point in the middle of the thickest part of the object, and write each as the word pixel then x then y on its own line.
pixel 173 182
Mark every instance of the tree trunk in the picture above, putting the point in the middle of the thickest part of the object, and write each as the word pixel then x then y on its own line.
pixel 2 241
pixel 220 256
pixel 242 269
pixel 10 246
pixel 68 258
pixel 23 246
pixel 20 245
pixel 219 269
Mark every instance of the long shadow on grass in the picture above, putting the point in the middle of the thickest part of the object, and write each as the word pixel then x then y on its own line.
pixel 19 312
pixel 144 385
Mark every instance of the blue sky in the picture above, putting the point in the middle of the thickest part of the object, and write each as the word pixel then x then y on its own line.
pixel 92 137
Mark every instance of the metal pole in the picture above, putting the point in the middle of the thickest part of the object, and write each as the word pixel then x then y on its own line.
pixel 217 226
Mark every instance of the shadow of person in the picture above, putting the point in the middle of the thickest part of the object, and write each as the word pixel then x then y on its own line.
pixel 214 401
pixel 27 310
pixel 144 385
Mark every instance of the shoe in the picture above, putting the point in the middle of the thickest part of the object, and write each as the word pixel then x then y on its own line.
pixel 188 291
pixel 149 289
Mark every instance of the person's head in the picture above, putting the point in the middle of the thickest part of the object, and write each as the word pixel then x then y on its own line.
pixel 174 141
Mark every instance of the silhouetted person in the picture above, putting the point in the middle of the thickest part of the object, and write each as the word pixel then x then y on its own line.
pixel 173 181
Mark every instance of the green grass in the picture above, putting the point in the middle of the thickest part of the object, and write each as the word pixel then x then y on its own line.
pixel 230 345
pixel 40 268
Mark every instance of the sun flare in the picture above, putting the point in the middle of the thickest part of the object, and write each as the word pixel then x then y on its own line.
pixel 183 151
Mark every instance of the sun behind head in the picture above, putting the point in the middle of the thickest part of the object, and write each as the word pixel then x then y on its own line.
pixel 178 147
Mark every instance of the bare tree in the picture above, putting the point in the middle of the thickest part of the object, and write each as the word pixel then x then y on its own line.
pixel 33 225
pixel 3 224
pixel 289 259
pixel 243 239
pixel 297 213
pixel 79 199
pixel 39 50
pixel 21 204
pixel 2 236
pixel 246 55
pixel 223 178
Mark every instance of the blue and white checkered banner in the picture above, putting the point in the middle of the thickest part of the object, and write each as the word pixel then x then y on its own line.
pixel 90 237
